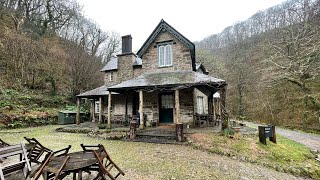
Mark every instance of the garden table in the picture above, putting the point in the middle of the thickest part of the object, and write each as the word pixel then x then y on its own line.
pixel 78 162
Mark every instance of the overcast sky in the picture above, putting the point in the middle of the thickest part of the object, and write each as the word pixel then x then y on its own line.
pixel 195 19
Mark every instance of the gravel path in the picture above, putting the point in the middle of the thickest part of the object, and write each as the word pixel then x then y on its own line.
pixel 310 140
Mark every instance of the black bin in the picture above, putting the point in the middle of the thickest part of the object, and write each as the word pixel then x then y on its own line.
pixel 267 132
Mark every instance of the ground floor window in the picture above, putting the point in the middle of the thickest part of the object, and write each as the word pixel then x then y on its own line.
pixel 200 105
pixel 97 107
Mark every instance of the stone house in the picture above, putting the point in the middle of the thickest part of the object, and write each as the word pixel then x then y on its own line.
pixel 161 83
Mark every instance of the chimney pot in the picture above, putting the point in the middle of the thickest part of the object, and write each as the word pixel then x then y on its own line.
pixel 126 44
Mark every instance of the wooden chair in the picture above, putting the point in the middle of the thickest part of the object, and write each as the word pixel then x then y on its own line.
pixel 90 148
pixel 52 173
pixel 107 168
pixel 199 122
pixel 3 144
pixel 38 150
pixel 22 163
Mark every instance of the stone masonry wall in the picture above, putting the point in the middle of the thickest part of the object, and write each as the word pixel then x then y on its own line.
pixel 150 105
pixel 186 106
pixel 107 78
pixel 204 93
pixel 181 56
pixel 125 69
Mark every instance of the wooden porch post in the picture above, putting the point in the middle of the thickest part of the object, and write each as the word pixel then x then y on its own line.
pixel 223 109
pixel 109 110
pixel 177 106
pixel 78 111
pixel 100 109
pixel 141 109
pixel 92 111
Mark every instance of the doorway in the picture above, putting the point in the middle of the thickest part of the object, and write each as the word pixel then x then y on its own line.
pixel 166 108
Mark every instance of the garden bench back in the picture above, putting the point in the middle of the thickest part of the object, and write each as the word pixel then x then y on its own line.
pixel 20 164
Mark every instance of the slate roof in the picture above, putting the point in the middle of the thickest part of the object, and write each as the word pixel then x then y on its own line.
pixel 113 64
pixel 100 91
pixel 175 33
pixel 200 65
pixel 168 79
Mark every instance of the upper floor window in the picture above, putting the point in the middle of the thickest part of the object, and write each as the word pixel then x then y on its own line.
pixel 165 55
pixel 111 76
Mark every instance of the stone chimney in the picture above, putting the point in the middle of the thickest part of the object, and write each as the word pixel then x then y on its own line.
pixel 125 60
pixel 126 44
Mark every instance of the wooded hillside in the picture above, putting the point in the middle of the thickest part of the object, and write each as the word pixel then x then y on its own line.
pixel 49 45
pixel 271 63
pixel 49 53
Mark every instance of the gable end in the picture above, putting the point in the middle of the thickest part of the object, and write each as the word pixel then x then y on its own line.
pixel 175 33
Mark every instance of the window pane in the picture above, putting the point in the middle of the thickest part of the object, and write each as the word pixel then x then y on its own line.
pixel 161 55
pixel 168 55
pixel 200 105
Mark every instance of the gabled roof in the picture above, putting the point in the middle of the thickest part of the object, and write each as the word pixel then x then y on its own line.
pixel 111 65
pixel 169 79
pixel 201 66
pixel 172 31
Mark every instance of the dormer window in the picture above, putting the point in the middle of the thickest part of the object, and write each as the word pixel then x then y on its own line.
pixel 165 55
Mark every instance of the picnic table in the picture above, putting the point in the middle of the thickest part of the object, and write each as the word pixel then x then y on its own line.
pixel 79 161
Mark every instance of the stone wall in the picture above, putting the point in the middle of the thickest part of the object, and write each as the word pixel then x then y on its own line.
pixel 114 81
pixel 181 56
pixel 186 106
pixel 203 93
pixel 150 106
pixel 118 104
pixel 125 69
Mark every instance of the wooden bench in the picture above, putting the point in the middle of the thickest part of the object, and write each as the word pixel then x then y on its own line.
pixel 21 163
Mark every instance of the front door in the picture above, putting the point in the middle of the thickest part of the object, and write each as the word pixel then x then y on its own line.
pixel 166 108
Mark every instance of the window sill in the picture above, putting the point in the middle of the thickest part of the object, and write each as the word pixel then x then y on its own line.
pixel 165 66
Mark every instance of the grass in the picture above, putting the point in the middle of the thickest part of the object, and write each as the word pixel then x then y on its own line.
pixel 285 156
pixel 151 161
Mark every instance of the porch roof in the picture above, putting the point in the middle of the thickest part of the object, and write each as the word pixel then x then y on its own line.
pixel 174 79
pixel 100 91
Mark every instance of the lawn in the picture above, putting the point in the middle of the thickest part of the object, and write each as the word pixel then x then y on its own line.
pixel 152 161
pixel 285 156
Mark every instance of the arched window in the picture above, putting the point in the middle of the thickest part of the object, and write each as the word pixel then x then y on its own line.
pixel 165 55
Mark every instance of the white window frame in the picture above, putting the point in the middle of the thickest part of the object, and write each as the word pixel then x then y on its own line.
pixel 200 104
pixel 96 107
pixel 165 55
pixel 111 76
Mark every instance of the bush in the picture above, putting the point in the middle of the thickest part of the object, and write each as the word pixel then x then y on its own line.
pixel 228 132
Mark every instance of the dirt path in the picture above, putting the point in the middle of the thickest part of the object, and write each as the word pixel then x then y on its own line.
pixel 310 140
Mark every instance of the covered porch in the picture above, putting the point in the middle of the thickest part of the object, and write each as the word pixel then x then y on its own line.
pixel 171 98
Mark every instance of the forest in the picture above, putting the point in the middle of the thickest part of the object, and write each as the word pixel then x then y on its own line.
pixel 49 53
pixel 270 61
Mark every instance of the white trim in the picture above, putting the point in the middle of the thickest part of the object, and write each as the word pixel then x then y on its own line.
pixel 165 55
